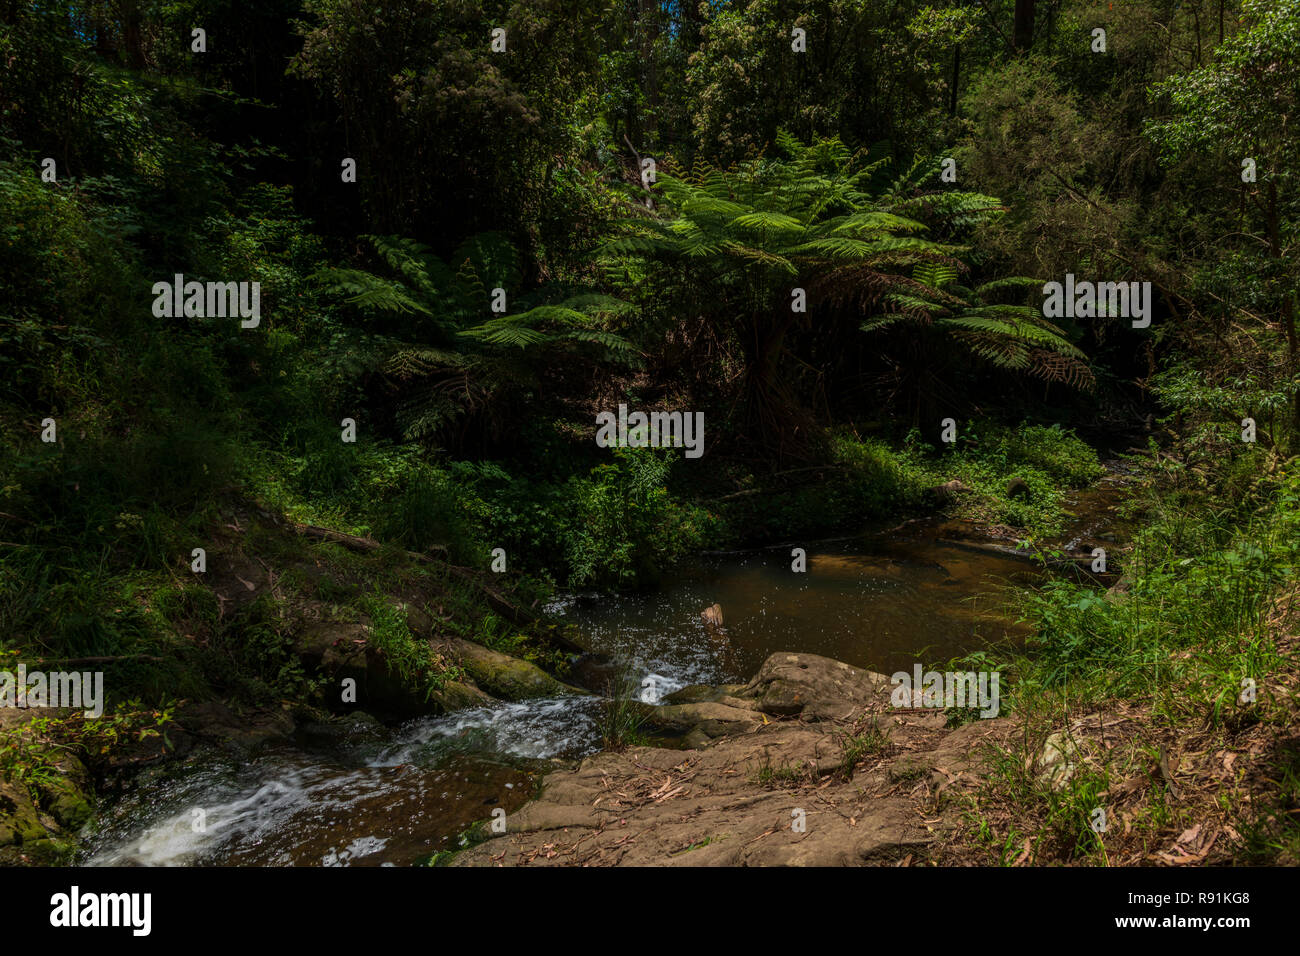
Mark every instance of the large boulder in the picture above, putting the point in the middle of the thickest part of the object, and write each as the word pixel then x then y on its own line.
pixel 248 731
pixel 712 718
pixel 68 795
pixel 18 820
pixel 814 687
pixel 27 836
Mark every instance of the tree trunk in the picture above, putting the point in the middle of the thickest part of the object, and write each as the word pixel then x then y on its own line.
pixel 1288 297
pixel 956 74
pixel 648 24
pixel 779 422
pixel 131 34
pixel 1022 37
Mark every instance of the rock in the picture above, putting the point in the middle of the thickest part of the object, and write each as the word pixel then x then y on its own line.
pixel 19 823
pixel 949 491
pixel 694 694
pixel 68 797
pixel 1057 760
pixel 246 731
pixel 734 800
pixel 356 727
pixel 459 695
pixel 507 677
pixel 704 807
pixel 696 739
pixel 710 718
pixel 27 836
pixel 341 650
pixel 814 687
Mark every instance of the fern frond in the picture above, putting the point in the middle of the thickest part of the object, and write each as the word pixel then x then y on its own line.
pixel 367 291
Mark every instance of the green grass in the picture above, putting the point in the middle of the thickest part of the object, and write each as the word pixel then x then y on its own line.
pixel 412 657
pixel 783 776
pixel 622 719
pixel 1200 618
pixel 871 741
pixel 869 480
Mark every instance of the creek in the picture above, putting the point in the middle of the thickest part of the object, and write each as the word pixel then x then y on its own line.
pixel 369 795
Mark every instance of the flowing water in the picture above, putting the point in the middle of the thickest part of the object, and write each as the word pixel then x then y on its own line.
pixel 391 797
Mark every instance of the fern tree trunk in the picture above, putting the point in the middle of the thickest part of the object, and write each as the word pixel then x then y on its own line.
pixel 773 410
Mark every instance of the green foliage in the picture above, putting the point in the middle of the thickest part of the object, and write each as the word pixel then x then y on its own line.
pixel 1194 620
pixel 1235 104
pixel 627 527
pixel 869 481
pixel 407 654
pixel 861 77
pixel 867 741
pixel 823 220
pixel 437 117
pixel 521 172
pixel 449 355
pixel 987 457
pixel 33 753
pixel 622 718
pixel 258 640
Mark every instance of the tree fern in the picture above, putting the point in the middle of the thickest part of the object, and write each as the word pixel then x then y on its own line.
pixel 461 356
pixel 865 242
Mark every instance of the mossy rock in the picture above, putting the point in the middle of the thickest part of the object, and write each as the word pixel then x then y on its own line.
pixel 694 694
pixel 459 695
pixel 340 650
pixel 19 822
pixel 714 719
pixel 64 800
pixel 507 677
pixel 43 852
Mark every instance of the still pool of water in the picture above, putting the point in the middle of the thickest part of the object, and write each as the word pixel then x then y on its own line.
pixel 886 609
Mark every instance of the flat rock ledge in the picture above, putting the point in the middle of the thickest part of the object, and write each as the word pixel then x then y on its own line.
pixel 806 764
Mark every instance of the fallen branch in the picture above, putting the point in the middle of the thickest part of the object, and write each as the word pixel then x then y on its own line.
pixel 79 661
pixel 791 471
pixel 357 543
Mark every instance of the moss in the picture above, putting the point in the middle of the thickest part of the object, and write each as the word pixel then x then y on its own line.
pixel 19 823
pixel 65 800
